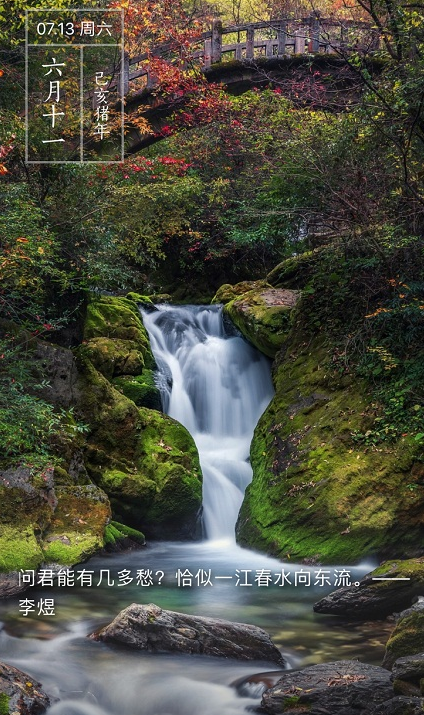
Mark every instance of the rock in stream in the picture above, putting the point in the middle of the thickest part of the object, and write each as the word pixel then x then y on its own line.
pixel 150 628
pixel 20 694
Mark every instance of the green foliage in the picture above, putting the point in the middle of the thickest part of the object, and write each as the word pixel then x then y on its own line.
pixel 27 424
pixel 4 704
pixel 30 427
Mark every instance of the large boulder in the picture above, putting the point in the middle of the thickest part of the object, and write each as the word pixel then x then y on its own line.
pixel 20 694
pixel 262 313
pixel 45 522
pixel 162 494
pixel 115 339
pixel 316 492
pixel 375 598
pixel 150 628
pixel 345 687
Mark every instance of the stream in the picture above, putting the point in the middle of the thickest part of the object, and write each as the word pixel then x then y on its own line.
pixel 217 385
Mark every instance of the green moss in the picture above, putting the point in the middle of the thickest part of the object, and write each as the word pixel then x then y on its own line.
pixel 314 493
pixel 161 493
pixel 142 300
pixel 4 704
pixel 112 535
pixel 140 389
pixel 112 418
pixel 263 315
pixel 116 532
pixel 19 548
pixel 118 319
pixel 25 514
pixel 132 534
pixel 228 292
pixel 291 700
pixel 66 529
pixel 112 357
pixel 406 639
pixel 77 528
pixel 293 272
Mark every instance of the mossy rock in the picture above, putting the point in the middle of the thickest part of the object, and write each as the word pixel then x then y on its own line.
pixel 20 693
pixel 161 298
pixel 25 515
pixel 114 357
pixel 119 536
pixel 111 416
pixel 145 461
pixel 401 582
pixel 143 300
pixel 228 292
pixel 118 319
pixel 141 389
pixel 264 316
pixel 295 271
pixel 78 525
pixel 162 494
pixel 44 521
pixel 314 492
pixel 406 639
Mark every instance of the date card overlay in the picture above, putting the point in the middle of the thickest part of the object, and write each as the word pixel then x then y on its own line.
pixel 74 86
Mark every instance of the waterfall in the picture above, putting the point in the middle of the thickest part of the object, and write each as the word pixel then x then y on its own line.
pixel 217 385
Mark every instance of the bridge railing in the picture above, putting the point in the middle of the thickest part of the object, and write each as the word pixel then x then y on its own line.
pixel 279 38
pixel 272 39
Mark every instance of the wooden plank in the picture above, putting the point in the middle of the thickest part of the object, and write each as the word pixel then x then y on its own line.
pixel 207 59
pixel 314 27
pixel 239 51
pixel 299 42
pixel 281 38
pixel 124 76
pixel 250 43
pixel 216 41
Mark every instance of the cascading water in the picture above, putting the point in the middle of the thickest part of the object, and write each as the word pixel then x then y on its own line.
pixel 217 386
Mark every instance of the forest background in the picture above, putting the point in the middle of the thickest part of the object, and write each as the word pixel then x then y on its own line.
pixel 235 186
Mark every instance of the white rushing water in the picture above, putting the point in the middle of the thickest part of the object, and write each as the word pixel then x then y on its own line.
pixel 217 386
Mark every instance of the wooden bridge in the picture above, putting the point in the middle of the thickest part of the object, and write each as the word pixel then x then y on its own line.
pixel 243 56
pixel 276 39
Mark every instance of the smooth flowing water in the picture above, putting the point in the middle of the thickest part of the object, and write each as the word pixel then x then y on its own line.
pixel 217 385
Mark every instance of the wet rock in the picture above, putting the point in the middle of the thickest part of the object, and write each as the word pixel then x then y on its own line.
pixel 10 586
pixel 400 706
pixel 150 628
pixel 410 667
pixel 345 687
pixel 20 694
pixel 377 599
pixel 406 639
pixel 404 687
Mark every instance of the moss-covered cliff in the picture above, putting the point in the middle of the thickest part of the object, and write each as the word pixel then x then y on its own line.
pixel 316 492
pixel 145 461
